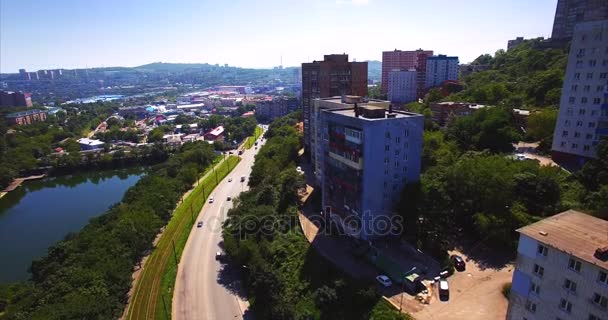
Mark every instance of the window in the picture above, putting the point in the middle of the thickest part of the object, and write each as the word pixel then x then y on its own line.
pixel 592 63
pixel 563 144
pixel 589 136
pixel 589 75
pixel 593 317
pixel 584 100
pixel 577 76
pixel 600 300
pixel 397 152
pixel 388 135
pixel 574 87
pixel 599 88
pixel 567 122
pixel 579 63
pixel 602 277
pixel 574 265
pixel 565 305
pixel 396 164
pixel 539 271
pixel 564 133
pixel 591 124
pixel 603 75
pixel 570 285
pixel 387 147
pixel 569 111
pixel 581 112
pixel 530 306
pixel 576 133
pixel 571 100
pixel 542 250
pixel 386 160
pixel 587 88
pixel 574 146
pixel 398 140
pixel 586 147
pixel 404 169
pixel 407 132
pixel 579 123
pixel 534 288
pixel 597 100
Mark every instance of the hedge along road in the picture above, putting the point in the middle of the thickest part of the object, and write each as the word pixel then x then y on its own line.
pixel 151 297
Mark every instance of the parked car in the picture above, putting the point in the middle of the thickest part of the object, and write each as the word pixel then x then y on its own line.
pixel 444 290
pixel 229 179
pixel 228 199
pixel 384 280
pixel 459 263
pixel 199 224
pixel 218 256
pixel 211 199
pixel 243 179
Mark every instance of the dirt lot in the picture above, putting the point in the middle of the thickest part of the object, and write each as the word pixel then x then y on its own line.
pixel 475 294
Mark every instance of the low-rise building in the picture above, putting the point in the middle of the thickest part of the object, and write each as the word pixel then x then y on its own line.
pixel 216 134
pixel 26 117
pixel 15 99
pixel 562 269
pixel 90 144
pixel 369 154
pixel 445 112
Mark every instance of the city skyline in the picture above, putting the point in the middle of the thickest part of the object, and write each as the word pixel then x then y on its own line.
pixel 73 34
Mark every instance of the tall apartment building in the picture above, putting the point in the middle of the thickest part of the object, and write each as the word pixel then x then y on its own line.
pixel 334 76
pixel 404 60
pixel 316 127
pixel 439 69
pixel 24 75
pixel 562 269
pixel 15 99
pixel 568 13
pixel 368 155
pixel 274 107
pixel 402 86
pixel 583 110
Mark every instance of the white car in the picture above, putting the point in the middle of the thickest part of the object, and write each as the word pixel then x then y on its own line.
pixel 520 156
pixel 444 290
pixel 384 280
pixel 229 179
pixel 211 199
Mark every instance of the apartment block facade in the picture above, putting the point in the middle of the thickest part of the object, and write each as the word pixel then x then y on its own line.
pixel 569 13
pixel 402 86
pixel 404 60
pixel 275 107
pixel 26 117
pixel 15 99
pixel 439 69
pixel 334 76
pixel 561 270
pixel 368 154
pixel 583 111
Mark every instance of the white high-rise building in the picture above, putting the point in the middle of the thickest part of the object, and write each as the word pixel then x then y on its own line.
pixel 561 270
pixel 402 86
pixel 439 69
pixel 583 109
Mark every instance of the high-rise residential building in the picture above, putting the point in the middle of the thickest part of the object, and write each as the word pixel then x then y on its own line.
pixel 583 109
pixel 334 76
pixel 404 60
pixel 34 75
pixel 368 155
pixel 402 86
pixel 24 75
pixel 439 69
pixel 570 12
pixel 338 102
pixel 15 99
pixel 561 270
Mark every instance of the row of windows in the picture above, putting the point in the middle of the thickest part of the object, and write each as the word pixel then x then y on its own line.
pixel 589 76
pixel 587 88
pixel 584 100
pixel 586 147
pixel 579 123
pixel 406 133
pixel 566 306
pixel 577 134
pixel 590 63
pixel 582 51
pixel 573 264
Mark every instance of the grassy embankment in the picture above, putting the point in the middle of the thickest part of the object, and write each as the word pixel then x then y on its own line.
pixel 251 139
pixel 154 289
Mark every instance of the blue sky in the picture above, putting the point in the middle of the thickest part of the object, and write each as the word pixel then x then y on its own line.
pixel 41 34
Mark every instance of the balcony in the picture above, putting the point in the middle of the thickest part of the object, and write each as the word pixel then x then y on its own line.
pixel 355 165
pixel 605 105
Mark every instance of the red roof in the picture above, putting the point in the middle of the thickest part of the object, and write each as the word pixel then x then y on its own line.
pixel 248 114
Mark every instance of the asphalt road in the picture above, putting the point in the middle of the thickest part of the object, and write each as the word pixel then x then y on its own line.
pixel 206 288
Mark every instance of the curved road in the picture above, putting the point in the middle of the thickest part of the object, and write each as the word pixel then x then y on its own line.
pixel 204 287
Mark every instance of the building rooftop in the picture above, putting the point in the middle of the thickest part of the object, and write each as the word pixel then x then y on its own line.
pixel 90 142
pixel 573 232
pixel 23 113
pixel 373 113
pixel 350 100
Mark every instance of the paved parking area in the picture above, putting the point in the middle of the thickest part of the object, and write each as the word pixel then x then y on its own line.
pixel 475 294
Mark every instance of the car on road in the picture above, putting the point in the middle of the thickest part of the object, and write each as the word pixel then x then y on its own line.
pixel 199 224
pixel 459 263
pixel 243 179
pixel 384 280
pixel 219 256
pixel 211 199
pixel 228 199
pixel 444 290
pixel 229 179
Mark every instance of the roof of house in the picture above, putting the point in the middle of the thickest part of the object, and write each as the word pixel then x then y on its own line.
pixel 217 131
pixel 90 142
pixel 24 113
pixel 572 232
